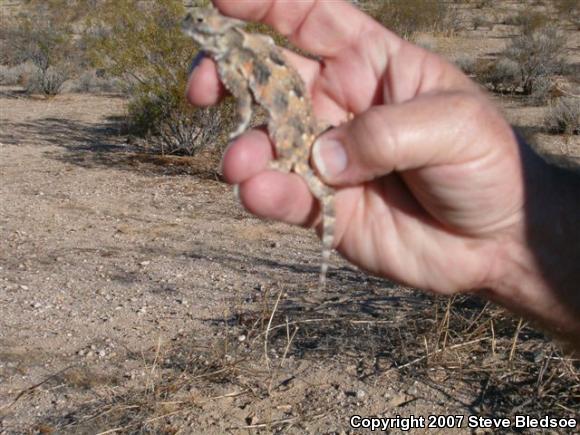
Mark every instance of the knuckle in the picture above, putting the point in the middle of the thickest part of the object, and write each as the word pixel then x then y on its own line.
pixel 375 139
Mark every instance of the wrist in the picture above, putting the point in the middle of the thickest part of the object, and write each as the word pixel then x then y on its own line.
pixel 536 272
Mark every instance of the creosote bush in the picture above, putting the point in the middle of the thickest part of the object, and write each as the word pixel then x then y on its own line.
pixel 142 44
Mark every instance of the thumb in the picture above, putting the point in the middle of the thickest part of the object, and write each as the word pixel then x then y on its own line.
pixel 428 130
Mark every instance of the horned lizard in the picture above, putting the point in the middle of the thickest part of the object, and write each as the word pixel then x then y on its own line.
pixel 254 69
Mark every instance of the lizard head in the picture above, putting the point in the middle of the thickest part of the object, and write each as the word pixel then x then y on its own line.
pixel 205 25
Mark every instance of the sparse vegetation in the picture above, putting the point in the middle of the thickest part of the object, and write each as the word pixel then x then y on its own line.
pixel 9 75
pixel 43 38
pixel 266 366
pixel 564 116
pixel 537 54
pixel 407 17
pixel 142 45
pixel 569 10
pixel 467 64
pixel 527 64
pixel 48 82
pixel 542 91
pixel 529 21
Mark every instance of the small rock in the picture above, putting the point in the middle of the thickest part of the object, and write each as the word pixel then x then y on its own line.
pixel 145 263
pixel 361 394
pixel 24 287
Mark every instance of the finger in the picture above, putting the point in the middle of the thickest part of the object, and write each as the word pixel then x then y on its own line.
pixel 204 87
pixel 281 196
pixel 427 131
pixel 267 194
pixel 318 27
pixel 246 156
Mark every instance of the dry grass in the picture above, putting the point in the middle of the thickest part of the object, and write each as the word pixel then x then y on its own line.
pixel 459 345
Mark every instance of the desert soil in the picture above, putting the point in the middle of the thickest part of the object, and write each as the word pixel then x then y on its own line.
pixel 135 294
pixel 108 258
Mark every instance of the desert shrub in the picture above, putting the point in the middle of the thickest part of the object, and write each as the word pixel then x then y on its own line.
pixel 141 44
pixel 478 21
pixel 42 36
pixel 569 10
pixel 93 81
pixel 467 64
pixel 185 131
pixel 407 17
pixel 542 91
pixel 9 75
pixel 48 81
pixel 538 54
pixel 529 20
pixel 480 4
pixel 503 75
pixel 564 116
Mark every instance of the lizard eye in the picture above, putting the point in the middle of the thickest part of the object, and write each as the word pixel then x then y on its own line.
pixel 199 20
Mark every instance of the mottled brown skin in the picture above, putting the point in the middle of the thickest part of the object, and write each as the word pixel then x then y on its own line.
pixel 253 68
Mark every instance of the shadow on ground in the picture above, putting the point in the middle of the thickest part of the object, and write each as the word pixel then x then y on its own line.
pixel 105 145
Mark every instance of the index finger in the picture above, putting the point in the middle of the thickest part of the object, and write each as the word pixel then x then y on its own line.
pixel 319 27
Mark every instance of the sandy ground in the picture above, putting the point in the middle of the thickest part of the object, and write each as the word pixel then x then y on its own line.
pixel 135 294
pixel 120 276
pixel 105 257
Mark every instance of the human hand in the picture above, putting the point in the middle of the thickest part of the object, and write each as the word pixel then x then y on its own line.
pixel 429 179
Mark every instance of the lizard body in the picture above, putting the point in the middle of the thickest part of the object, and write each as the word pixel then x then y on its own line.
pixel 254 69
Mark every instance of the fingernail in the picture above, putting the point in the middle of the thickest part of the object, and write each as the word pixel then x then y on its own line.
pixel 329 157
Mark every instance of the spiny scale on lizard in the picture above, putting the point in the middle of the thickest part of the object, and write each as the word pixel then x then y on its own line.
pixel 253 68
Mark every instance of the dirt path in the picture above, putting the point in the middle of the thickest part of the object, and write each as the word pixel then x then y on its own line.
pixel 136 296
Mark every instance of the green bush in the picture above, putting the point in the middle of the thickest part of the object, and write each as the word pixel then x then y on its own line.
pixel 142 44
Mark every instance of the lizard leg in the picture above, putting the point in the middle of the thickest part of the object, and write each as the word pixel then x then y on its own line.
pixel 325 196
pixel 236 83
pixel 282 165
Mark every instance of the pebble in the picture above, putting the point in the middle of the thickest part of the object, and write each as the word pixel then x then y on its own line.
pixel 361 394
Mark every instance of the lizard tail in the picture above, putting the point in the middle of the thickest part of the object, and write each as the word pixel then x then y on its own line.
pixel 325 196
pixel 328 220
